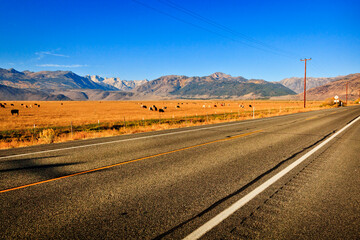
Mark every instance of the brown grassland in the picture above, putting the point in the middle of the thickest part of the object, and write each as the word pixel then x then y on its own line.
pixel 73 120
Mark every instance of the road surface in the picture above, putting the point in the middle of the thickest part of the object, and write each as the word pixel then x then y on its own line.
pixel 169 184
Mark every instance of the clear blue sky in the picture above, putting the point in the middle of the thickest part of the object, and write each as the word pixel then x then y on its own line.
pixel 138 39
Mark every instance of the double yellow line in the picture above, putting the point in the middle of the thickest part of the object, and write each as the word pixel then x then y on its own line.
pixel 126 162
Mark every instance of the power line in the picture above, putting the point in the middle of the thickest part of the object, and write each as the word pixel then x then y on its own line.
pixel 223 27
pixel 208 30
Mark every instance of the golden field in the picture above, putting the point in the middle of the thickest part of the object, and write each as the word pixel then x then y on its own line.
pixel 51 114
pixel 32 120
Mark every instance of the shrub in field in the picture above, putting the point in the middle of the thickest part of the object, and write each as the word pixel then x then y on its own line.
pixel 47 135
pixel 328 102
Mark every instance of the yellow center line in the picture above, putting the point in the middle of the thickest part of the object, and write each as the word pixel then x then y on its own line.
pixel 126 162
pixel 311 118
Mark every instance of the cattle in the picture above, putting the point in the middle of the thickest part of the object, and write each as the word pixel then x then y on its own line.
pixel 177 106
pixel 143 106
pixel 14 111
pixel 22 104
pixel 215 106
pixel 151 109
pixel 165 107
pixel 2 105
pixel 35 104
pixel 5 103
pixel 161 110
pixel 38 105
pixel 155 108
pixel 12 104
pixel 250 106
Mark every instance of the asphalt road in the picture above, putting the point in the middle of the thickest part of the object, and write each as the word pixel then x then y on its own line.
pixel 168 184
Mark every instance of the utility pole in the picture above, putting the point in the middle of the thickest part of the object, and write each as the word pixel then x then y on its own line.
pixel 305 80
pixel 347 83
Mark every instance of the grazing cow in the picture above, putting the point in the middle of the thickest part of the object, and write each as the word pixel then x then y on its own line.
pixel 151 109
pixel 35 104
pixel 5 103
pixel 161 110
pixel 177 106
pixel 38 105
pixel 22 104
pixel 12 104
pixel 250 106
pixel 14 111
pixel 144 106
pixel 155 108
pixel 215 106
pixel 2 105
pixel 165 107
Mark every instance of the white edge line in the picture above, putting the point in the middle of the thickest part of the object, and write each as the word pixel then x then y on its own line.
pixel 137 138
pixel 241 202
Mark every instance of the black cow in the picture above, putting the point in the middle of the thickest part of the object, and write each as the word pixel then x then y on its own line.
pixel 177 106
pixel 151 109
pixel 12 104
pixel 144 106
pixel 161 110
pixel 14 111
pixel 250 106
pixel 165 107
pixel 38 105
pixel 2 105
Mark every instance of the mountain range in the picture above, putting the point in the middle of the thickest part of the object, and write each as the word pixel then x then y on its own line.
pixel 216 85
pixel 124 85
pixel 336 88
pixel 297 84
pixel 66 85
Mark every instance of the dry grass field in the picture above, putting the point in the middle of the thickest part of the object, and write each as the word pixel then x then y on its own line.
pixel 108 118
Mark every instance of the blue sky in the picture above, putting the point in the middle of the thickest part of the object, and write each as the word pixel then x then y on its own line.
pixel 138 39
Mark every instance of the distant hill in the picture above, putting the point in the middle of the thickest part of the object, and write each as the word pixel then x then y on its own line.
pixel 337 87
pixel 66 85
pixel 216 85
pixel 297 84
pixel 48 80
pixel 11 94
pixel 95 95
pixel 124 85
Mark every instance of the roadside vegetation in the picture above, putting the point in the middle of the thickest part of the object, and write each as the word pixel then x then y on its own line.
pixel 55 122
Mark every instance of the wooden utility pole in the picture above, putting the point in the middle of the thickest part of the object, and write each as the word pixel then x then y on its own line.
pixel 305 80
pixel 347 83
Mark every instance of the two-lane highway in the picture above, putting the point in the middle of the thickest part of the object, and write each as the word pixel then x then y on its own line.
pixel 168 184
